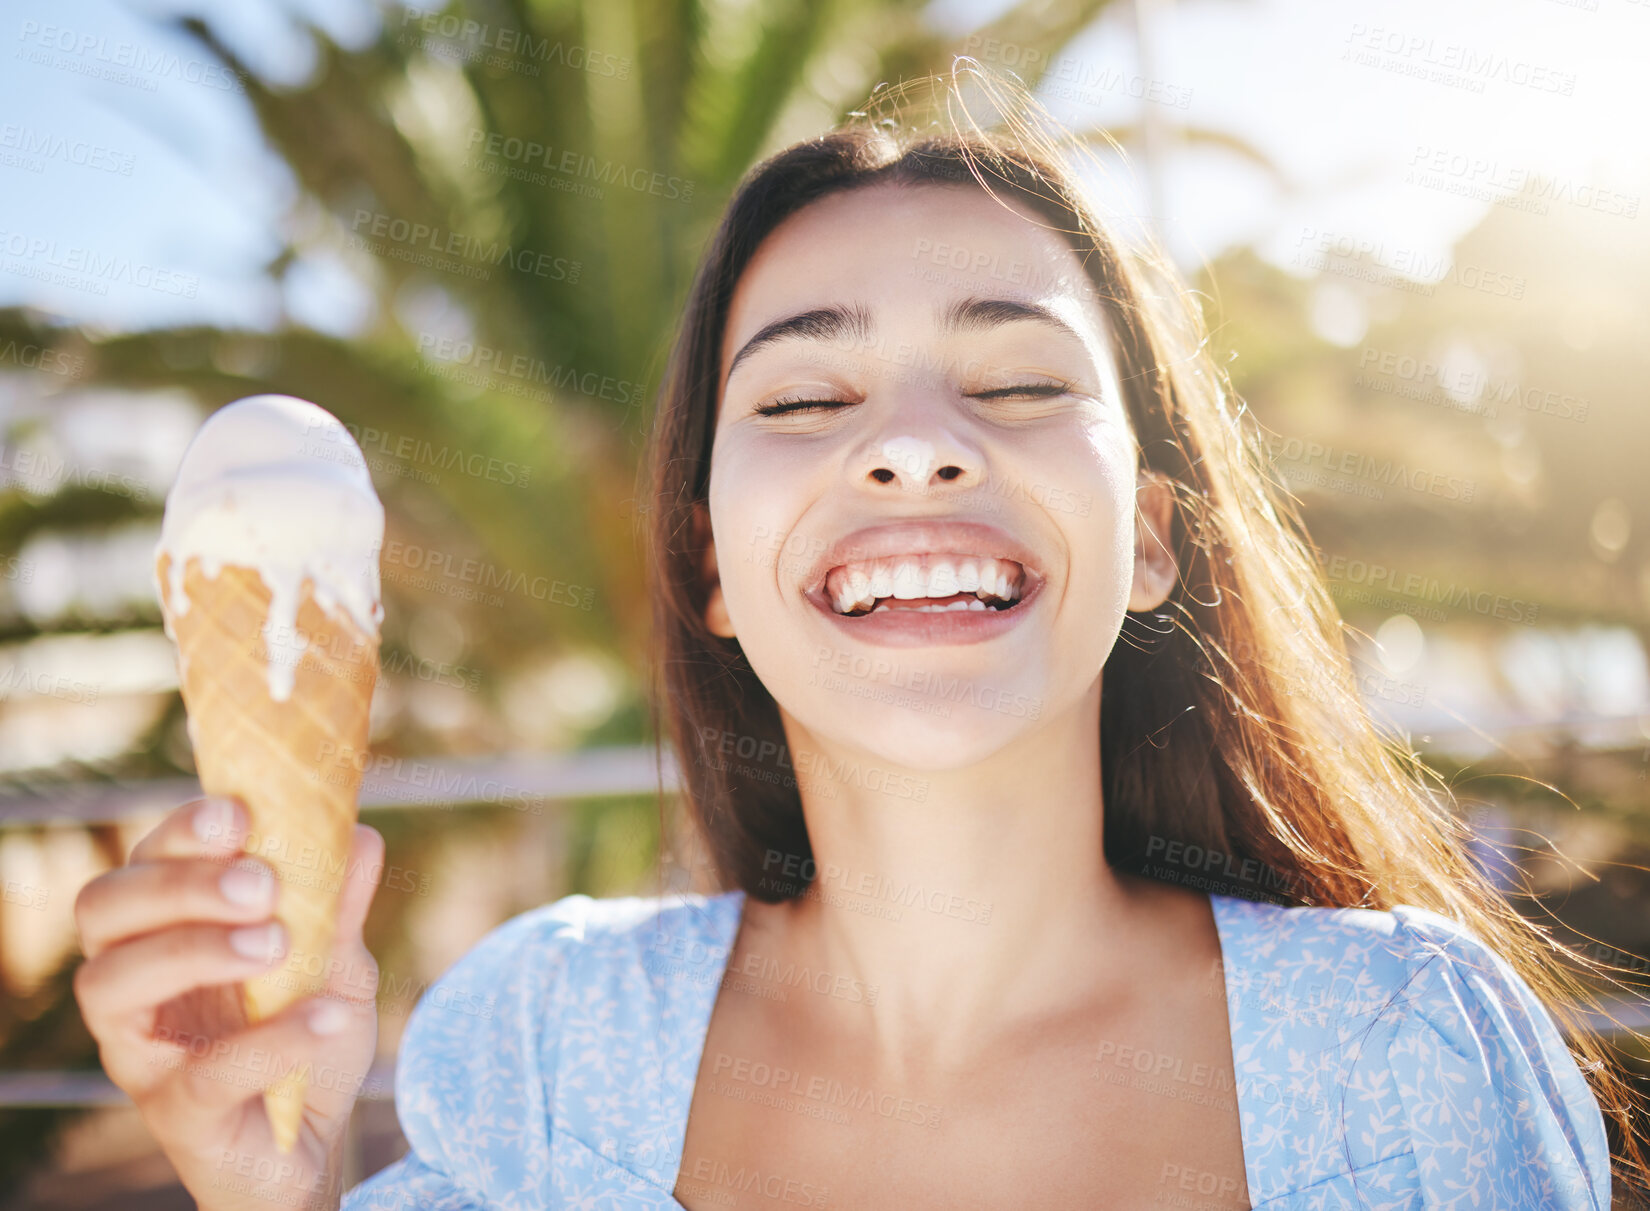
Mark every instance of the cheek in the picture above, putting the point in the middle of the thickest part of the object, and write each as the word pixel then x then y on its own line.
pixel 754 501
pixel 1087 473
pixel 1089 495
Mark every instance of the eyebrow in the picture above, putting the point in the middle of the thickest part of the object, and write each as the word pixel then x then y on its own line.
pixel 834 322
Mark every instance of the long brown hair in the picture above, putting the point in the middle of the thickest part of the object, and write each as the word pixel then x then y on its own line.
pixel 1230 716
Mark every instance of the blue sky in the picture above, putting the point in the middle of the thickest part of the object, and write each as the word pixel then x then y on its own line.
pixel 165 168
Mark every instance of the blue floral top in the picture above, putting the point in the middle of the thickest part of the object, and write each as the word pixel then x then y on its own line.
pixel 1383 1060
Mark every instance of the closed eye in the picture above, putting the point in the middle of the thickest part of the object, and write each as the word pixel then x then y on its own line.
pixel 1022 391
pixel 775 407
pixel 1025 390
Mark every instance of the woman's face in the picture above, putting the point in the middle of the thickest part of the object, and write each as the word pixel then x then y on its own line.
pixel 964 444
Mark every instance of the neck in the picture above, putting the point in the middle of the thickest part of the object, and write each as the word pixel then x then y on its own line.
pixel 972 898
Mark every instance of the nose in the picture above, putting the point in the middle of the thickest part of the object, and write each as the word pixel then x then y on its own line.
pixel 913 463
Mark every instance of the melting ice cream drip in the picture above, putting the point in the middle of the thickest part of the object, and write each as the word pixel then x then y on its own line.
pixel 277 484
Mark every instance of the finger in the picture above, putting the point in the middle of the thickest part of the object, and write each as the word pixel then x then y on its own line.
pixel 366 869
pixel 133 900
pixel 214 825
pixel 348 970
pixel 208 1079
pixel 120 990
pixel 329 1042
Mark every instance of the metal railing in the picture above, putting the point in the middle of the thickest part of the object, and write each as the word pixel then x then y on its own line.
pixel 443 784
pixel 401 782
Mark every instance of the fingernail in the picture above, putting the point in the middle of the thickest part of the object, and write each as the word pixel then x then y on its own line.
pixel 328 1017
pixel 253 887
pixel 261 942
pixel 214 819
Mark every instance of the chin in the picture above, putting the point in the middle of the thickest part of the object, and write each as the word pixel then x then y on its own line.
pixel 938 736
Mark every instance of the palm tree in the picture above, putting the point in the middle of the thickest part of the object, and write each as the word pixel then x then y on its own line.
pixel 524 189
pixel 562 165
pixel 491 142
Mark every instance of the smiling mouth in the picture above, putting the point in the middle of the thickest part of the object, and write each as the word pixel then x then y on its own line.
pixel 930 583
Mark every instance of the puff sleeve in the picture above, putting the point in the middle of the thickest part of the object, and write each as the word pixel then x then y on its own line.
pixel 1499 1113
pixel 475 1074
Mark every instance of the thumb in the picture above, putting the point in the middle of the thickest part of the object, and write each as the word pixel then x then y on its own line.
pixel 364 871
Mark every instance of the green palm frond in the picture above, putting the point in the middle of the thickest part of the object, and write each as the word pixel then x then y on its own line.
pixel 605 132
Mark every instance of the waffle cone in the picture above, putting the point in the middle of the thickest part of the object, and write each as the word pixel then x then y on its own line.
pixel 293 763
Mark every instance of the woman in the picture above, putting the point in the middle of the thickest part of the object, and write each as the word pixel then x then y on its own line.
pixel 946 489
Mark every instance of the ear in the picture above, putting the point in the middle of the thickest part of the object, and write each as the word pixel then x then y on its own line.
pixel 1154 562
pixel 716 607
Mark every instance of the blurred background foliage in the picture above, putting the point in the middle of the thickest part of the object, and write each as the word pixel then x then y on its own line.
pixel 609 133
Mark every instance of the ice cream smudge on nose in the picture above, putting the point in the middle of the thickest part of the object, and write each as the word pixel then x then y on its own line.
pixel 910 454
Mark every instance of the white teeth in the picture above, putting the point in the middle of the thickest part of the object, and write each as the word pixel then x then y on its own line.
pixel 909 581
pixel 950 607
pixel 849 592
pixel 862 587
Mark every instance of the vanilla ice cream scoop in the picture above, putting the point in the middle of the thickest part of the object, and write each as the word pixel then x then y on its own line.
pixel 276 483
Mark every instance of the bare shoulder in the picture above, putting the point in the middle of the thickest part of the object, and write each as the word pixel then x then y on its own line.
pixel 1176 924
